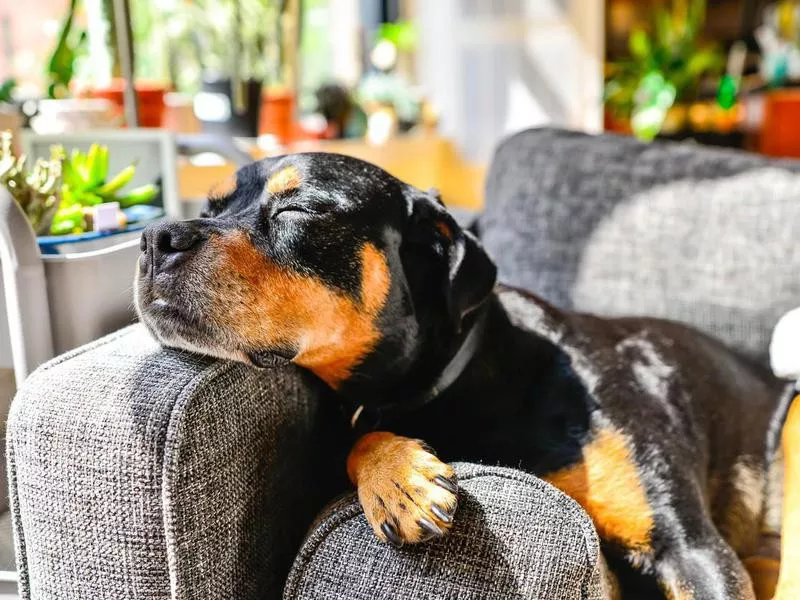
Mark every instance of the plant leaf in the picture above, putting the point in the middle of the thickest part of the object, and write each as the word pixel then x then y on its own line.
pixel 703 61
pixel 665 29
pixel 639 44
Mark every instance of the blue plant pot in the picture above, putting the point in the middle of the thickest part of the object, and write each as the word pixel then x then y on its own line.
pixel 138 218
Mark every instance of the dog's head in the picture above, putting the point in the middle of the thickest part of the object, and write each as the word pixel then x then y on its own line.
pixel 319 259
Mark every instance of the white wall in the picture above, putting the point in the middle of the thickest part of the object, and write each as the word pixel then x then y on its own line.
pixel 493 67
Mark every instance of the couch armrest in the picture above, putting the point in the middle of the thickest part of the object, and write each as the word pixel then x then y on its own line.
pixel 140 472
pixel 514 536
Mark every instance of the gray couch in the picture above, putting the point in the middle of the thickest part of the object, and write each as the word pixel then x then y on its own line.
pixel 143 473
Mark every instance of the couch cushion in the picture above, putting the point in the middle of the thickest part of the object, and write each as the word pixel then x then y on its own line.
pixel 142 472
pixel 610 225
pixel 514 537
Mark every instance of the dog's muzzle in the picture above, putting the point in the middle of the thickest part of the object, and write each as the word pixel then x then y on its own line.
pixel 165 246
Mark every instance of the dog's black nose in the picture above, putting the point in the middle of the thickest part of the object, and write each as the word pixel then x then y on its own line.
pixel 164 244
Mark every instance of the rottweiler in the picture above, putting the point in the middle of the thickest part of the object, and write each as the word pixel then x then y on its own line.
pixel 670 441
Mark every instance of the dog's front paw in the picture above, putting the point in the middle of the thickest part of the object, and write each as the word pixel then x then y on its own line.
pixel 408 494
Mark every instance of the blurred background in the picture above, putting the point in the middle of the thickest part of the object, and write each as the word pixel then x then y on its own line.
pixel 281 72
pixel 318 69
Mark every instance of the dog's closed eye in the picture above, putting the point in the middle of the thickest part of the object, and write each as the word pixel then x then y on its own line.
pixel 309 206
pixel 292 208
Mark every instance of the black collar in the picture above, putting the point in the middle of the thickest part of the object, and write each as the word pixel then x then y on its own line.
pixel 362 417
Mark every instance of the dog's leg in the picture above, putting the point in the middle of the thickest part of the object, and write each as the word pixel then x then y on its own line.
pixel 408 494
pixel 789 578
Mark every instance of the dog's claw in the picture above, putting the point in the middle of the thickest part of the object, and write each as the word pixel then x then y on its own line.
pixel 399 484
pixel 430 527
pixel 391 535
pixel 441 514
pixel 448 484
pixel 427 448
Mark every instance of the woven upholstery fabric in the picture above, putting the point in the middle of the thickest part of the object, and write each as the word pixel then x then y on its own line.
pixel 514 537
pixel 609 225
pixel 143 473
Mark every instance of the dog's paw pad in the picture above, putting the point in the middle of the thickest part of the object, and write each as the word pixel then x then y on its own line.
pixel 408 494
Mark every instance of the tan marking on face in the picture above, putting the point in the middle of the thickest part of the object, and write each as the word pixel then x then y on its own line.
pixel 268 306
pixel 606 484
pixel 285 180
pixel 224 188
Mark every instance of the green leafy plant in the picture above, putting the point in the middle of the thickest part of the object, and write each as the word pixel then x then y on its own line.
pixel 238 39
pixel 86 183
pixel 61 65
pixel 7 90
pixel 403 34
pixel 664 67
pixel 58 194
pixel 35 191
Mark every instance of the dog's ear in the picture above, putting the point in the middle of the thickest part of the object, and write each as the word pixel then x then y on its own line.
pixel 468 274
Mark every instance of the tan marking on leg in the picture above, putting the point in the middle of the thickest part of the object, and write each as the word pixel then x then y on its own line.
pixel 606 484
pixel 764 575
pixel 395 480
pixel 789 579
pixel 285 180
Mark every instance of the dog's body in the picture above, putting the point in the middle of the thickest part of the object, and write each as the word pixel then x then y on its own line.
pixel 658 431
pixel 664 436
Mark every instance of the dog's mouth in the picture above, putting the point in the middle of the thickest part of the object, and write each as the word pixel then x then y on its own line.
pixel 268 359
pixel 176 324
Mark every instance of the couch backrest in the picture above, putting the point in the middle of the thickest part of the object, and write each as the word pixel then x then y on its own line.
pixel 609 225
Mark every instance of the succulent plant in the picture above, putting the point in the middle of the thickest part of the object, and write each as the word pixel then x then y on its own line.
pixel 86 183
pixel 37 191
pixel 57 194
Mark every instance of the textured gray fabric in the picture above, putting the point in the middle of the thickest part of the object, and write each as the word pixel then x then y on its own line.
pixel 514 537
pixel 138 472
pixel 609 225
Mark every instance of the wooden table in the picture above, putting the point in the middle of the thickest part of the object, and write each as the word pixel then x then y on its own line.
pixel 424 161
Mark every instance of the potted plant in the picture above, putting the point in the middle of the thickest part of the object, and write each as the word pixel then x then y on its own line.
pixel 105 80
pixel 70 288
pixel 648 90
pixel 229 50
pixel 61 196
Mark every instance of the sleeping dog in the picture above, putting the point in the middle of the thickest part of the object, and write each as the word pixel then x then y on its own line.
pixel 667 439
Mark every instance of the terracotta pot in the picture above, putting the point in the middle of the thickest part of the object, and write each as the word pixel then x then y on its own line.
pixel 277 115
pixel 781 123
pixel 615 124
pixel 150 96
